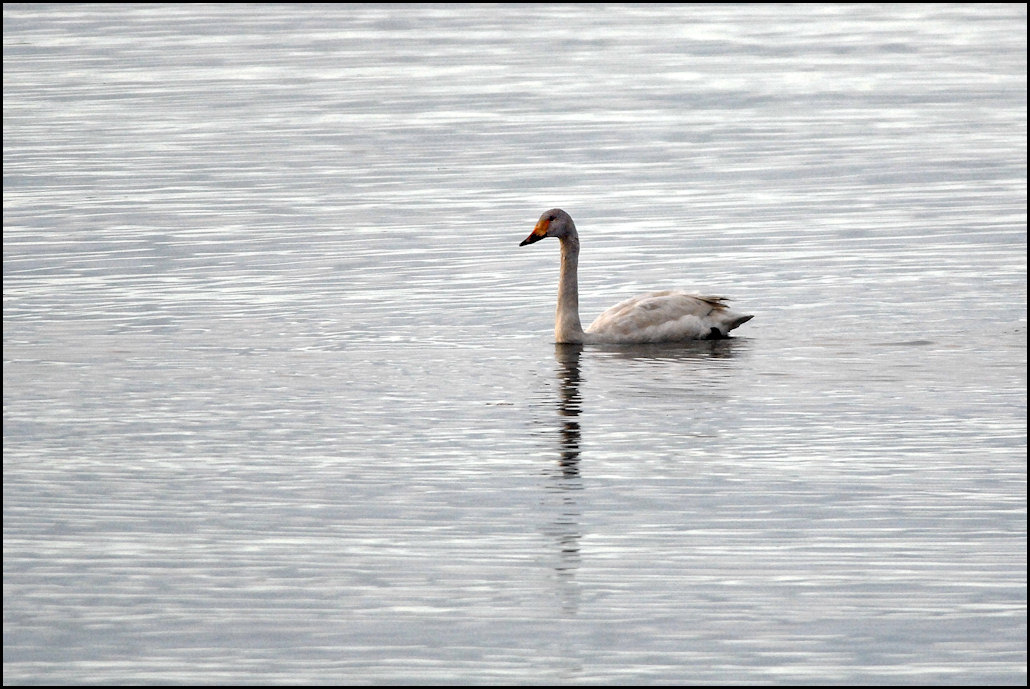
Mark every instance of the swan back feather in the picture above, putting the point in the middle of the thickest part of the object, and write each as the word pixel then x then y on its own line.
pixel 665 316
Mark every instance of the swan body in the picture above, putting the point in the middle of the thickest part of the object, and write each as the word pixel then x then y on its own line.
pixel 666 316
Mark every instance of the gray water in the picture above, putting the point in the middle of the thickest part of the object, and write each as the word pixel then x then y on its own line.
pixel 281 399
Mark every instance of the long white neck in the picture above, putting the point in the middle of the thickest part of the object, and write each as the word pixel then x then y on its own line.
pixel 567 328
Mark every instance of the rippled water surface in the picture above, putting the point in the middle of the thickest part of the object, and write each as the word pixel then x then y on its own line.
pixel 281 401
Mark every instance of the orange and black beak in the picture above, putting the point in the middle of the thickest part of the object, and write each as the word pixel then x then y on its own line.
pixel 538 233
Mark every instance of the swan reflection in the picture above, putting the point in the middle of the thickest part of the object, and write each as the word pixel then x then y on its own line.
pixel 569 407
pixel 696 359
pixel 564 528
pixel 694 350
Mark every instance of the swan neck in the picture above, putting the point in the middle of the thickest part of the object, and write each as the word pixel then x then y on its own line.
pixel 567 328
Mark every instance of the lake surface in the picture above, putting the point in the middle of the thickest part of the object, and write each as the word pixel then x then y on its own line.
pixel 281 398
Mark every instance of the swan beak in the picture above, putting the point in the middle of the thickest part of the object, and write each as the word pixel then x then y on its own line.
pixel 538 233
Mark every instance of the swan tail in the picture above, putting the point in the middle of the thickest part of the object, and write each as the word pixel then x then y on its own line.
pixel 722 331
pixel 737 322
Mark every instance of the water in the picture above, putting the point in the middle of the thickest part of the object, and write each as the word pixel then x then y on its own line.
pixel 281 402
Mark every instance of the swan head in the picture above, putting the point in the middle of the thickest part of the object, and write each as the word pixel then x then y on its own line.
pixel 553 223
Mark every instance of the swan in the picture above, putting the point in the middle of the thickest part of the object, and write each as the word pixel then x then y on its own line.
pixel 667 316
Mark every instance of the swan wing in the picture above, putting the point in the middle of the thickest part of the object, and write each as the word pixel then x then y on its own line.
pixel 666 316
